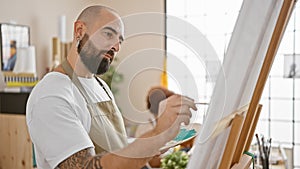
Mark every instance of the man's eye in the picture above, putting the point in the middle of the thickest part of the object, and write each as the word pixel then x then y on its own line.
pixel 108 34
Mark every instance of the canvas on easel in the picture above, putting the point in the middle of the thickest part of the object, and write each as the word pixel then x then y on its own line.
pixel 247 63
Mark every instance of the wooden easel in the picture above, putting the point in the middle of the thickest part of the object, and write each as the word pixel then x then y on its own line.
pixel 235 120
pixel 243 127
pixel 252 115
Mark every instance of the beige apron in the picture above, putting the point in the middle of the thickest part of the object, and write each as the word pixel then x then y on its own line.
pixel 107 127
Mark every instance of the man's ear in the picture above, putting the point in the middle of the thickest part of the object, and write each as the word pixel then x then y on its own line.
pixel 79 29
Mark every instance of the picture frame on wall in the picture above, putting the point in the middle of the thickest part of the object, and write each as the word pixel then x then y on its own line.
pixel 12 36
pixel 291 66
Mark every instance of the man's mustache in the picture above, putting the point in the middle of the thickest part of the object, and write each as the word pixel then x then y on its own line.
pixel 111 53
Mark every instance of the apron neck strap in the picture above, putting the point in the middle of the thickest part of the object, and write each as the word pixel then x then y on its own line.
pixel 74 78
pixel 101 84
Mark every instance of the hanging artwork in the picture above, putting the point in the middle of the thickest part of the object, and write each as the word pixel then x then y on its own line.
pixel 291 66
pixel 12 36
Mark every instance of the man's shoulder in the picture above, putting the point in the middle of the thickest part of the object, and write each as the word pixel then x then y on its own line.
pixel 53 83
pixel 55 78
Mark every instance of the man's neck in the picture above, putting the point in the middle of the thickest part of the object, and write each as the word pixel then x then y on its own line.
pixel 77 65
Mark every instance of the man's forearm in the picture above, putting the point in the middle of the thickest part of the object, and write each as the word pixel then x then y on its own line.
pixel 114 161
pixel 147 145
pixel 136 154
pixel 94 163
pixel 82 159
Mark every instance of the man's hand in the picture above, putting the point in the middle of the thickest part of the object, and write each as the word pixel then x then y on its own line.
pixel 172 112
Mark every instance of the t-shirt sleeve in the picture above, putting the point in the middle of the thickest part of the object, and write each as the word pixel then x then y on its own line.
pixel 56 131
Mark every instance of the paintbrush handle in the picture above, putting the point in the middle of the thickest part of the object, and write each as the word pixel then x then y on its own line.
pixel 202 103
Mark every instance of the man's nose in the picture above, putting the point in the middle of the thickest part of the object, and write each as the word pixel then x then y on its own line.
pixel 116 47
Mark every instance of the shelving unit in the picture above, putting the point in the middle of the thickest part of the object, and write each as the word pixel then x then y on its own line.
pixel 15 143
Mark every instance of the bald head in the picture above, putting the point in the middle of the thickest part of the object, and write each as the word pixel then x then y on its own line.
pixel 90 14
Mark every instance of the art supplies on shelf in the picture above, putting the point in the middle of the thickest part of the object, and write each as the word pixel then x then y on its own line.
pixel 19 79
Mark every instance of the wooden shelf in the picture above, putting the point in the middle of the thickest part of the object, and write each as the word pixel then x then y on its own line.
pixel 15 143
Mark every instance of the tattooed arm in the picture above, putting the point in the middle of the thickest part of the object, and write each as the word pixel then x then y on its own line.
pixel 84 159
pixel 135 155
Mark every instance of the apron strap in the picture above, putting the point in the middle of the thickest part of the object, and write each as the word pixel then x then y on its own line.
pixel 101 84
pixel 74 78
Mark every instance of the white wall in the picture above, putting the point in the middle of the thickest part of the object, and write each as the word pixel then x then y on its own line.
pixel 42 17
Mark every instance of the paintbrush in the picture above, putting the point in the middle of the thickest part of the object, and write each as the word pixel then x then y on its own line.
pixel 201 103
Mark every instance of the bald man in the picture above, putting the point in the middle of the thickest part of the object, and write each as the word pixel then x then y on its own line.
pixel 72 114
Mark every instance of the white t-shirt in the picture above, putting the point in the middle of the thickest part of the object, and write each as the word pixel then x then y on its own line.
pixel 58 119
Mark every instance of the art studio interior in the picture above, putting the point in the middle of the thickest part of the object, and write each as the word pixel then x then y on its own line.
pixel 238 60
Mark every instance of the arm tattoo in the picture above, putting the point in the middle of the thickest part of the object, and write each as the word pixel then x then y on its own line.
pixel 84 159
pixel 94 163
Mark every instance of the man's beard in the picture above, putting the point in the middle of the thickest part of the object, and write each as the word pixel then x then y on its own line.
pixel 92 57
